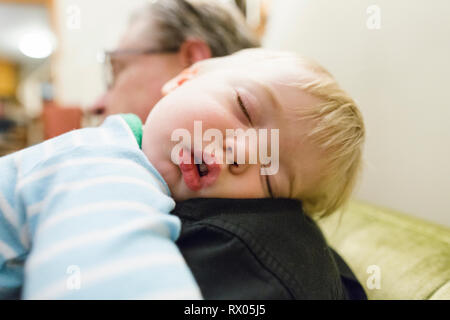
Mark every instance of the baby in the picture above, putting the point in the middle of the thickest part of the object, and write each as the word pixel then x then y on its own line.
pixel 321 131
pixel 86 215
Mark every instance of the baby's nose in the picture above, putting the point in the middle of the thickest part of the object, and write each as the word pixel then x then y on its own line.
pixel 237 168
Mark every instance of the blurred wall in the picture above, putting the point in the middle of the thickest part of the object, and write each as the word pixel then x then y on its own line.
pixel 399 74
pixel 85 28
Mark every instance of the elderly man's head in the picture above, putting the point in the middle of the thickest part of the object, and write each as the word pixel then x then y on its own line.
pixel 163 38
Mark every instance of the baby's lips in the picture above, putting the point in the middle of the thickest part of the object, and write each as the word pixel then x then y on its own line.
pixel 213 173
pixel 189 169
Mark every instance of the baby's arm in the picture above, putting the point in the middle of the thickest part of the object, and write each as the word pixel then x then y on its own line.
pixel 13 242
pixel 98 219
pixel 105 232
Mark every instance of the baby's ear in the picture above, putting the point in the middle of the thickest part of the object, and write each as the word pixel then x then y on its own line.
pixel 185 75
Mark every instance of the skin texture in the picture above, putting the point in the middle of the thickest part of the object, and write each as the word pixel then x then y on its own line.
pixel 139 78
pixel 210 96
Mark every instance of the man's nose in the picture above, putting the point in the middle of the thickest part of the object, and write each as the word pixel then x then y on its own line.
pixel 99 106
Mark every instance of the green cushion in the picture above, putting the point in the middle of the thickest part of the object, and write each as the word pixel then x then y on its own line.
pixel 413 255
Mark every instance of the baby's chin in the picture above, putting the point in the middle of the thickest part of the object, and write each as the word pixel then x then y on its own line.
pixel 173 177
pixel 174 180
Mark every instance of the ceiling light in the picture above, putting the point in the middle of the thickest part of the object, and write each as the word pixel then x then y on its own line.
pixel 36 45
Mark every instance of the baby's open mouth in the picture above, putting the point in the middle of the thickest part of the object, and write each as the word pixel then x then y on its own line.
pixel 202 169
pixel 198 176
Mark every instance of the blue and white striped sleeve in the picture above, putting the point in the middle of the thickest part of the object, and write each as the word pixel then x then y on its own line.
pixel 13 239
pixel 98 216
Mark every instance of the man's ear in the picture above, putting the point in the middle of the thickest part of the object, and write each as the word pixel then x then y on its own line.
pixel 191 51
pixel 181 78
pixel 194 50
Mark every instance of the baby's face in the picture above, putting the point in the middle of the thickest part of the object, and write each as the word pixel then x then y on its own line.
pixel 232 95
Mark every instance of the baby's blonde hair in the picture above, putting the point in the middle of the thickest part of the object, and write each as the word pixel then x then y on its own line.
pixel 339 132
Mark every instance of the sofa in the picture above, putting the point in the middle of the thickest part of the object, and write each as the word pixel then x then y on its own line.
pixel 394 256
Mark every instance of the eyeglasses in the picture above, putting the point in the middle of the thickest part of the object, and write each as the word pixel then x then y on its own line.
pixel 111 64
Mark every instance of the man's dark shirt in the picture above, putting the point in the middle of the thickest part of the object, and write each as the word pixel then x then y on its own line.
pixel 260 249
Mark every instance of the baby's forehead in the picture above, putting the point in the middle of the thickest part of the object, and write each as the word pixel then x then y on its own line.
pixel 280 77
pixel 281 83
pixel 276 63
pixel 278 70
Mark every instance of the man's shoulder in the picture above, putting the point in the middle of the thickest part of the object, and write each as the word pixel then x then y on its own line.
pixel 273 238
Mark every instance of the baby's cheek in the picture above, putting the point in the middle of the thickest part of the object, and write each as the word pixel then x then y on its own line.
pixel 150 146
pixel 245 185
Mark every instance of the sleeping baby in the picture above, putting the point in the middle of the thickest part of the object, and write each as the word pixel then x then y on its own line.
pixel 86 214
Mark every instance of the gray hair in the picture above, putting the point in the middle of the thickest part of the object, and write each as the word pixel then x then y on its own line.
pixel 220 25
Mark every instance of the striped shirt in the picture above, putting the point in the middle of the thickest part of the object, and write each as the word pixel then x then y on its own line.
pixel 86 216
